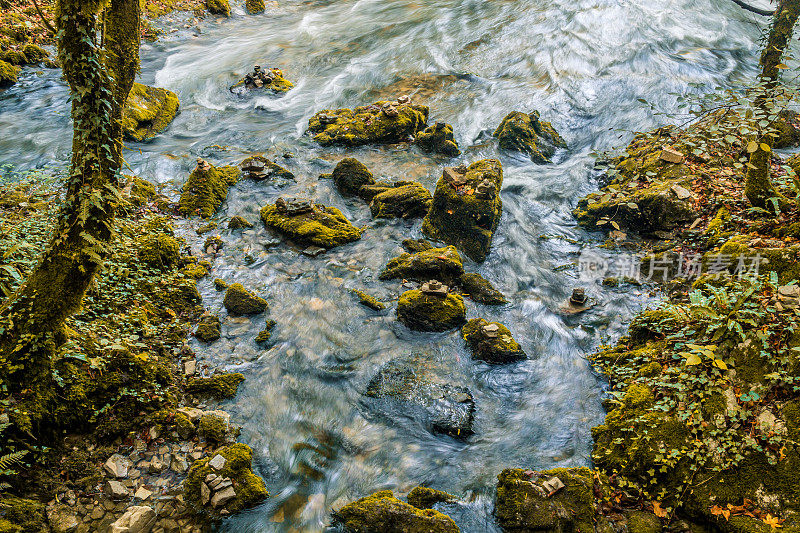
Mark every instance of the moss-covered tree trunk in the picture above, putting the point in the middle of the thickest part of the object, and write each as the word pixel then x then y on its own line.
pixel 99 77
pixel 758 186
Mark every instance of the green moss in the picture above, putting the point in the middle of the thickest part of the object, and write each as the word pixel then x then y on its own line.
pixel 213 427
pixel 426 498
pixel 8 74
pixel 34 54
pixel 184 426
pixel 716 228
pixel 481 290
pixel 140 191
pixel 239 301
pixel 266 334
pixel 238 222
pixel 209 329
pixel 783 261
pixel 18 515
pixel 442 264
pixel 405 200
pixel 219 7
pixel 350 175
pixel 220 284
pixel 324 226
pixel 438 138
pixel 219 387
pixel 250 489
pixel 526 133
pixel 148 111
pixel 271 170
pixel 383 513
pixel 499 347
pixel 424 312
pixel 459 216
pixel 159 251
pixel 255 6
pixel 523 504
pixel 214 242
pixel 788 130
pixel 369 301
pixel 206 189
pixel 367 125
pixel 642 522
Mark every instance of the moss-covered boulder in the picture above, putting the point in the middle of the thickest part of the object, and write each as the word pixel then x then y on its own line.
pixel 739 252
pixel 209 329
pixel 350 175
pixel 481 290
pixel 224 481
pixel 319 225
pixel 443 264
pixel 426 497
pixel 20 515
pixel 34 54
pixel 259 79
pixel 407 199
pixel 383 513
pixel 238 222
pixel 264 336
pixel 148 111
pixel 8 74
pixel 239 301
pixel 553 500
pixel 404 389
pixel 413 246
pixel 219 7
pixel 159 250
pixel 467 208
pixel 380 123
pixel 206 189
pixel 439 139
pixel 254 7
pixel 491 342
pixel 220 386
pixel 523 132
pixel 428 312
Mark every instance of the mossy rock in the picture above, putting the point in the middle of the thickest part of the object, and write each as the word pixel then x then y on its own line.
pixel 495 347
pixel 8 74
pixel 265 334
pixel 271 79
pixel 426 498
pixel 34 54
pixel 219 387
pixel 219 7
pixel 239 301
pixel 148 111
pixel 481 290
pixel 159 251
pixel 524 504
pixel 238 222
pixel 350 175
pixel 369 301
pixel 738 251
pixel 209 329
pixel 14 57
pixel 206 190
pixel 221 284
pixel 367 125
pixel 215 426
pixel 439 139
pixel 442 264
pixel 788 126
pixel 413 246
pixel 461 217
pixel 403 389
pixel 425 312
pixel 383 513
pixel 139 191
pixel 250 489
pixel 255 7
pixel 524 132
pixel 19 515
pixel 643 522
pixel 271 171
pixel 323 226
pixel 405 200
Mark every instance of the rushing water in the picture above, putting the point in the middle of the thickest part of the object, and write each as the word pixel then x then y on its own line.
pixel 582 63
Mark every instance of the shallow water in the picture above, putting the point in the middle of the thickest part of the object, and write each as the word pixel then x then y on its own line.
pixel 582 63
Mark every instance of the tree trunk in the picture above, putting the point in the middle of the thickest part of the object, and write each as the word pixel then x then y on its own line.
pixel 758 187
pixel 32 320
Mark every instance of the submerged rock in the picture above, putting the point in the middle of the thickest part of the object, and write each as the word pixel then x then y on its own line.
pixel 260 168
pixel 467 207
pixel 380 123
pixel 260 79
pixel 481 289
pixel 438 138
pixel 444 264
pixel 491 342
pixel 224 483
pixel 315 224
pixel 524 132
pixel 423 311
pixel 239 301
pixel 350 175
pixel 369 301
pixel 407 199
pixel 383 513
pixel 209 328
pixel 148 111
pixel 439 407
pixel 426 498
pixel 206 189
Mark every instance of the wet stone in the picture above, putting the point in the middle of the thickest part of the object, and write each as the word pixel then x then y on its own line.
pixel 294 206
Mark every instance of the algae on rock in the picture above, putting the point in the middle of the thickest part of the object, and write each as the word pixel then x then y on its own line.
pixel 322 226
pixel 383 513
pixel 467 208
pixel 219 386
pixel 481 290
pixel 368 124
pixel 524 132
pixel 8 74
pixel 404 200
pixel 209 328
pixel 148 111
pixel 426 497
pixel 219 7
pixel 350 175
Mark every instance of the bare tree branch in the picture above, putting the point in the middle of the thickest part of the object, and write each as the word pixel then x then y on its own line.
pixel 44 19
pixel 753 9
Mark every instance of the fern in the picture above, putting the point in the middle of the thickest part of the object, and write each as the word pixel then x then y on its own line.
pixel 11 460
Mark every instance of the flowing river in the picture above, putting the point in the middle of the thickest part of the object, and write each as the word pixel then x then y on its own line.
pixel 582 63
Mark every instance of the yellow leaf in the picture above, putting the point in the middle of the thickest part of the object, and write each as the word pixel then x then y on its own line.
pixel 766 147
pixel 719 363
pixel 752 146
pixel 773 521
pixel 781 66
pixel 693 360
